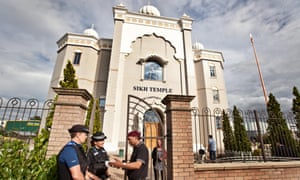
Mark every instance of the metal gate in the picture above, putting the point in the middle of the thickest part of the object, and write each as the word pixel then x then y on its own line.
pixel 147 119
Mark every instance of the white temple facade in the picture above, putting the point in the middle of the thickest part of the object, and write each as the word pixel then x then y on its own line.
pixel 150 56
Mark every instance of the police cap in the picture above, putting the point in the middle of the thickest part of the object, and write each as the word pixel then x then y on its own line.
pixel 78 128
pixel 98 136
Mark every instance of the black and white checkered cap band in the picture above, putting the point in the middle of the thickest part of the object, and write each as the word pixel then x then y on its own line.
pixel 99 137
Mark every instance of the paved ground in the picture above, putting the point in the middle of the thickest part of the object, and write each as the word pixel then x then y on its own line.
pixel 116 174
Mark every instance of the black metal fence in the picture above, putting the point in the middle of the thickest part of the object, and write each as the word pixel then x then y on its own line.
pixel 23 118
pixel 278 143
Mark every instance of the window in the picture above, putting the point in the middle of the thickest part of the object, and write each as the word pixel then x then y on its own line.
pixel 102 101
pixel 218 122
pixel 212 70
pixel 216 97
pixel 153 71
pixel 151 116
pixel 77 58
pixel 135 124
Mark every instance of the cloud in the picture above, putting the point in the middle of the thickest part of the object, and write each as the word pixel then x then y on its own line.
pixel 274 25
pixel 29 30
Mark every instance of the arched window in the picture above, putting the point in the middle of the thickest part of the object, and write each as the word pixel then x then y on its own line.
pixel 153 71
pixel 151 116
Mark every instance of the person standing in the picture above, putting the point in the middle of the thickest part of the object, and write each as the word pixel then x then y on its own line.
pixel 98 157
pixel 137 168
pixel 71 160
pixel 158 156
pixel 212 148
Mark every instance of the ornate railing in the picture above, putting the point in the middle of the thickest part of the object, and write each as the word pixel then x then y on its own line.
pixel 264 147
pixel 23 117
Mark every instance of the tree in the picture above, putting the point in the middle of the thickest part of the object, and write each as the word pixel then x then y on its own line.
pixel 69 77
pixel 229 139
pixel 96 120
pixel 296 108
pixel 89 113
pixel 242 140
pixel 279 135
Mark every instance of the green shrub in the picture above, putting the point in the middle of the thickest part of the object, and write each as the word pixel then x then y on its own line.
pixel 18 162
pixel 256 152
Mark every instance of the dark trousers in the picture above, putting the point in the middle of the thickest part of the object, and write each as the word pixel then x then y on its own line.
pixel 156 174
pixel 212 155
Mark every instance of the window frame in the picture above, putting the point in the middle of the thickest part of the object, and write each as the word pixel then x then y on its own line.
pixel 77 57
pixel 156 59
pixel 158 74
pixel 212 71
pixel 216 95
pixel 218 120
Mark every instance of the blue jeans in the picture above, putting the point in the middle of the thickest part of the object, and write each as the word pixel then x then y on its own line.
pixel 212 155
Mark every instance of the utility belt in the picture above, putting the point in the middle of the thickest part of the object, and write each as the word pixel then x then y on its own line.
pixel 98 169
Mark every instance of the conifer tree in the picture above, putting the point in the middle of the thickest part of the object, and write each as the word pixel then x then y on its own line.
pixel 242 140
pixel 229 139
pixel 97 120
pixel 89 113
pixel 280 137
pixel 296 108
pixel 68 82
pixel 69 77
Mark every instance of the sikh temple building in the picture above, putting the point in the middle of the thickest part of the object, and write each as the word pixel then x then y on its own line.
pixel 150 56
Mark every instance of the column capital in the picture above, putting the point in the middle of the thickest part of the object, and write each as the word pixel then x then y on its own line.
pixel 73 92
pixel 178 98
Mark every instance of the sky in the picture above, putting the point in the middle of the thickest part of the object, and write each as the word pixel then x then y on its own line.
pixel 29 31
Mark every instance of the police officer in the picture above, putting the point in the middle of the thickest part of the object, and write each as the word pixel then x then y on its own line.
pixel 71 160
pixel 97 156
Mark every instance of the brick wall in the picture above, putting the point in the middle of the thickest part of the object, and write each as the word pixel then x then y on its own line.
pixel 70 109
pixel 179 137
pixel 246 171
pixel 180 161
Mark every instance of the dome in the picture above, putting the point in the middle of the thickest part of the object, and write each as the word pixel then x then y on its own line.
pixel 91 32
pixel 198 46
pixel 149 9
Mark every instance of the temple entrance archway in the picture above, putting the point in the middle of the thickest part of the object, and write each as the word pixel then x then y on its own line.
pixel 147 119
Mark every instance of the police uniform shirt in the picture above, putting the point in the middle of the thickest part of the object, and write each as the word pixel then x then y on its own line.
pixel 69 156
pixel 97 158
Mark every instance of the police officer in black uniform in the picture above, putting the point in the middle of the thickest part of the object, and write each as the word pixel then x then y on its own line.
pixel 97 157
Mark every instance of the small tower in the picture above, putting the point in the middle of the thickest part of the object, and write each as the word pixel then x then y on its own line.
pixel 211 90
pixel 88 54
